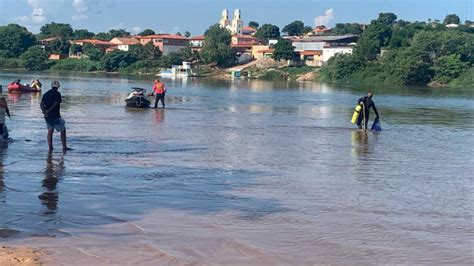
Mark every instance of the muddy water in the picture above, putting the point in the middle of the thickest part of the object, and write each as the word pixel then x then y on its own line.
pixel 240 172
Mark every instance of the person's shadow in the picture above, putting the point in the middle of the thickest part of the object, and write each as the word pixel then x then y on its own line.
pixel 53 172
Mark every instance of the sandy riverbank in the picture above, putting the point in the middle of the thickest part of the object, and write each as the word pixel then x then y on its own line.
pixel 20 256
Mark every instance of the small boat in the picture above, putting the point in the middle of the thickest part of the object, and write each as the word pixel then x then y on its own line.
pixel 19 88
pixel 137 98
pixel 183 70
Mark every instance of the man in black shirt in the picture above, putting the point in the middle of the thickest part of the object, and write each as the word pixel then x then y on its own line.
pixel 366 103
pixel 50 105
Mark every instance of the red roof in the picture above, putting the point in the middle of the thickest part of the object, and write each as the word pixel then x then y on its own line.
pixel 311 52
pixel 197 38
pixel 93 41
pixel 127 41
pixel 163 36
pixel 248 28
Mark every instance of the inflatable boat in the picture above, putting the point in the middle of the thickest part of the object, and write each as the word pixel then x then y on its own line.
pixel 19 88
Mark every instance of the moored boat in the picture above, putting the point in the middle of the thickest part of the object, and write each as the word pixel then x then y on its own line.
pixel 137 98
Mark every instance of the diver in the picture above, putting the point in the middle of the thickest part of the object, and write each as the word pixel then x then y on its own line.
pixel 366 103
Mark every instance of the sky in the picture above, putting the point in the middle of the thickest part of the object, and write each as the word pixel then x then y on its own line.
pixel 171 16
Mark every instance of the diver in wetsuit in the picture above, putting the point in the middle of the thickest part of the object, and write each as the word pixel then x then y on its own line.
pixel 366 103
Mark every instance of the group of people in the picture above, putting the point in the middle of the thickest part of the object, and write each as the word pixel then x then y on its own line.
pixel 35 84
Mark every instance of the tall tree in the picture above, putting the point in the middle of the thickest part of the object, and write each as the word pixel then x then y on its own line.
pixel 82 34
pixel 118 33
pixel 283 50
pixel 53 29
pixel 217 48
pixel 60 46
pixel 347 28
pixel 451 19
pixel 187 34
pixel 295 28
pixel 268 31
pixel 14 40
pixel 253 24
pixel 147 32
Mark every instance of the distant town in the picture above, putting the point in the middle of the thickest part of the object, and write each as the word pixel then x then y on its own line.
pixel 237 49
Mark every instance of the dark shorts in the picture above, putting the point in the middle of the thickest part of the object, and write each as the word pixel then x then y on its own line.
pixel 56 123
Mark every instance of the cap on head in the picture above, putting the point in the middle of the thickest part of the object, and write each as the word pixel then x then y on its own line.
pixel 55 84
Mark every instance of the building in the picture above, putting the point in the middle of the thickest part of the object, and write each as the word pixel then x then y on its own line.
pixel 312 58
pixel 247 30
pixel 103 45
pixel 124 44
pixel 46 43
pixel 321 30
pixel 317 43
pixel 196 42
pixel 236 25
pixel 239 39
pixel 262 51
pixel 167 43
pixel 330 51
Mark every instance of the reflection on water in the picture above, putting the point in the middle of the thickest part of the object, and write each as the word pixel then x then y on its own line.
pixel 52 174
pixel 241 172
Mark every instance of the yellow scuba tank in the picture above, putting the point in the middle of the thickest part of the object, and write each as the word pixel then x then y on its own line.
pixel 356 113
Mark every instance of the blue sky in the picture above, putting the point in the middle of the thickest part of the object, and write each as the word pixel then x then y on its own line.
pixel 197 15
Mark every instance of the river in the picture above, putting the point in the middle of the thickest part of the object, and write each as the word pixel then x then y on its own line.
pixel 240 172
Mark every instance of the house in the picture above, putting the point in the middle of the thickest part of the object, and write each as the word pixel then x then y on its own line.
pixel 247 30
pixel 57 56
pixel 317 43
pixel 124 44
pixel 46 43
pixel 330 51
pixel 239 39
pixel 263 53
pixel 167 43
pixel 311 57
pixel 196 42
pixel 103 45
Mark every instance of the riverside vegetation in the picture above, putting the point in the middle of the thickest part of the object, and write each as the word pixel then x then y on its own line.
pixel 389 51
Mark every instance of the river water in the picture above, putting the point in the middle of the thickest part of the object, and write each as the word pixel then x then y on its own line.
pixel 240 172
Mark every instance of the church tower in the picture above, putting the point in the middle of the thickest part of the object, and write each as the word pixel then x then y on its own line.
pixel 225 22
pixel 237 23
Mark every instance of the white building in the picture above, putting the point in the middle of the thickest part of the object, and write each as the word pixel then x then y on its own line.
pixel 329 51
pixel 236 25
pixel 124 43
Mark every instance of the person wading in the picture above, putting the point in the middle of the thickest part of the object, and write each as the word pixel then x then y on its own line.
pixel 366 103
pixel 50 105
pixel 159 89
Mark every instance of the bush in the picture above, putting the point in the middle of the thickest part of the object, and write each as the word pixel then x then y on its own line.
pixel 11 63
pixel 273 75
pixel 465 80
pixel 80 65
pixel 35 59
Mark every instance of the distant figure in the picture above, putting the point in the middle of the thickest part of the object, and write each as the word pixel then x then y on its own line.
pixel 366 103
pixel 3 110
pixel 160 90
pixel 17 82
pixel 36 84
pixel 50 105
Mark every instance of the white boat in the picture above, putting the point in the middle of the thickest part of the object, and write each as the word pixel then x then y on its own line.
pixel 183 70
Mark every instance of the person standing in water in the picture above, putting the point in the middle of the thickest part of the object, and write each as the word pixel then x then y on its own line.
pixel 3 110
pixel 366 103
pixel 50 105
pixel 159 89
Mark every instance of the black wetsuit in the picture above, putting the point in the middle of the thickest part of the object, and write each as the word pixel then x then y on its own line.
pixel 364 116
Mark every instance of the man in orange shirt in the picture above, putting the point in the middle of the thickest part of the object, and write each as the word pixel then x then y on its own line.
pixel 160 90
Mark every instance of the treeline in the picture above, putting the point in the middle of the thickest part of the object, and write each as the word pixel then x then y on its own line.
pixel 392 51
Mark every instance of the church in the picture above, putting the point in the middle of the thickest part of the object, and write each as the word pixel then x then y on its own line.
pixel 235 25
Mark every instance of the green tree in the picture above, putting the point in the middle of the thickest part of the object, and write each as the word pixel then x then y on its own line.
pixel 253 24
pixel 147 32
pixel 103 36
pixel 407 66
pixel 347 28
pixel 341 67
pixel 448 67
pixel 145 52
pixel 295 28
pixel 268 31
pixel 60 46
pixel 113 33
pixel 14 40
pixel 216 49
pixel 117 59
pixel 74 49
pixel 187 34
pixel 170 59
pixel 178 33
pixel 451 19
pixel 92 52
pixel 35 58
pixel 53 29
pixel 83 34
pixel 283 50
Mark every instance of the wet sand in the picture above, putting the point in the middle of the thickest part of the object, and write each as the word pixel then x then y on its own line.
pixel 10 256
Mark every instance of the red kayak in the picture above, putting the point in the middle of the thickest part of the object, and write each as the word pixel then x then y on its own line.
pixel 18 88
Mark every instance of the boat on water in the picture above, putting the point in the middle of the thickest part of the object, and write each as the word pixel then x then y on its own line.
pixel 183 70
pixel 137 98
pixel 15 87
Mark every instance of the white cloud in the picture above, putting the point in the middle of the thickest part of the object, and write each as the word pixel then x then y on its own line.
pixel 136 29
pixel 324 19
pixel 37 16
pixel 81 7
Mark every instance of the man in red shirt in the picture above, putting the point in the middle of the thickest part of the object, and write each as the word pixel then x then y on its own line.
pixel 160 90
